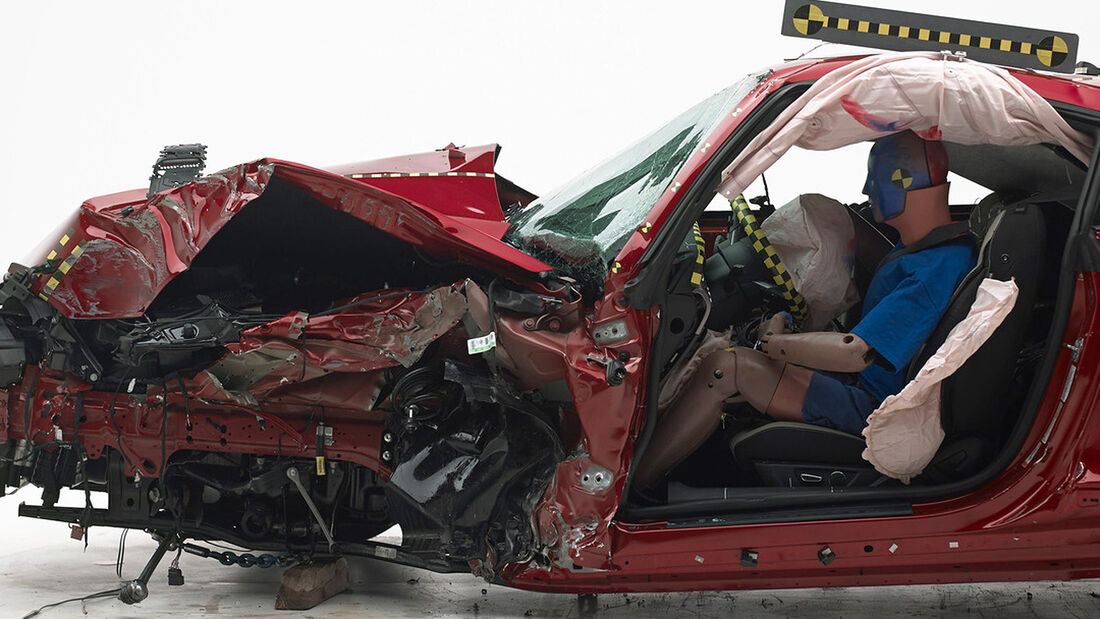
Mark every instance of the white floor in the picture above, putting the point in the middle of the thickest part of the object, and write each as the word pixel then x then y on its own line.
pixel 39 564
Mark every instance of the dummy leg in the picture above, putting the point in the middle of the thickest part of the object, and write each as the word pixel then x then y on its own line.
pixel 790 393
pixel 698 412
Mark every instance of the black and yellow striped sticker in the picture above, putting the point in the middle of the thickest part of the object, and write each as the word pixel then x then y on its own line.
pixel 904 31
pixel 700 255
pixel 419 174
pixel 772 261
pixel 62 269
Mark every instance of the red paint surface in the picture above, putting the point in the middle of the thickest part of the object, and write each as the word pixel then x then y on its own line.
pixel 128 257
pixel 1036 520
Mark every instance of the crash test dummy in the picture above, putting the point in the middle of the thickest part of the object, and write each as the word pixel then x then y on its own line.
pixel 837 379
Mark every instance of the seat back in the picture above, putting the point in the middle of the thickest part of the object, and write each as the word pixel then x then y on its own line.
pixel 974 400
pixel 975 406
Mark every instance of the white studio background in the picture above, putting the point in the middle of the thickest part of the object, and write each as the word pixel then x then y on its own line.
pixel 92 91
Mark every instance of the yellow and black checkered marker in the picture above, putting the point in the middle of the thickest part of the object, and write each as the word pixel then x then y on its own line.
pixel 901 178
pixel 1013 46
pixel 700 255
pixel 772 261
pixel 63 267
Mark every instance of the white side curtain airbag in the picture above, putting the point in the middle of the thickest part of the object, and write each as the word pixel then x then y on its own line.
pixel 957 101
pixel 904 432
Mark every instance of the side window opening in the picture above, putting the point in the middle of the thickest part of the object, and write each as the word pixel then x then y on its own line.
pixel 840 174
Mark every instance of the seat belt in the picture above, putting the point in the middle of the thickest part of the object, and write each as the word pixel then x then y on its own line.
pixel 937 236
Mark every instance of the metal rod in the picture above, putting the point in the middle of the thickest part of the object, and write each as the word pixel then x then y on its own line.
pixel 295 478
pixel 138 589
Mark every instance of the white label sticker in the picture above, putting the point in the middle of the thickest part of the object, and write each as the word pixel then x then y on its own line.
pixel 485 343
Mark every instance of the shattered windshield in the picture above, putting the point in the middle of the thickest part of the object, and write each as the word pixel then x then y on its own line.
pixel 581 226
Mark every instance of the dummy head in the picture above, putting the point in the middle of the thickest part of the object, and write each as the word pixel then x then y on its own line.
pixel 899 164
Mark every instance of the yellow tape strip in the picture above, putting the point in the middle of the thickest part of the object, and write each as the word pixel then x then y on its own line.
pixel 780 275
pixel 418 174
pixel 63 268
pixel 700 255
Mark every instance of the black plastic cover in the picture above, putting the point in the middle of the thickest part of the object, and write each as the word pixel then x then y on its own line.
pixel 176 165
pixel 13 357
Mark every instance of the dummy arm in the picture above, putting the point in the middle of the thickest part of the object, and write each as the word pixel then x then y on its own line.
pixel 825 350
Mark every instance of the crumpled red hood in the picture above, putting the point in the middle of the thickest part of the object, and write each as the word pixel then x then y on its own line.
pixel 460 182
pixel 121 250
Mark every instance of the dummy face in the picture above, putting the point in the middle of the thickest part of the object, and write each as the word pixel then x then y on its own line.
pixel 898 164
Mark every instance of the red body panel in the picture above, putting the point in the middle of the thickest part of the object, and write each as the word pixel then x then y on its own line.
pixel 1035 520
pixel 129 248
pixel 459 182
pixel 986 525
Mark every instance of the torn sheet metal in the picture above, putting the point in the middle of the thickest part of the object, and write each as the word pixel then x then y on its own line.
pixel 131 247
pixel 284 356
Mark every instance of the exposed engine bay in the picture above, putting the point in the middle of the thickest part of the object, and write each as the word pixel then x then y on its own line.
pixel 453 435
pixel 301 417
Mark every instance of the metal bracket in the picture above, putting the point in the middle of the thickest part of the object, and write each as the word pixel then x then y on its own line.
pixel 610 332
pixel 616 366
pixel 596 478
pixel 1076 347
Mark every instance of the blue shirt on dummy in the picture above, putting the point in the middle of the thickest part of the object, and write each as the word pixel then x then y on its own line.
pixel 906 299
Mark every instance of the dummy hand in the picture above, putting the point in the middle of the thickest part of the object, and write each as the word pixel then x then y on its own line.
pixel 778 324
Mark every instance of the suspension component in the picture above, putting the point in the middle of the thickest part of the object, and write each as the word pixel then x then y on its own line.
pixel 295 478
pixel 137 589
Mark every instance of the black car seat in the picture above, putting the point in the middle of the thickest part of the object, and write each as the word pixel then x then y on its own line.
pixel 974 408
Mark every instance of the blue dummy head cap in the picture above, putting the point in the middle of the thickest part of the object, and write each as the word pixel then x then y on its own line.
pixel 900 163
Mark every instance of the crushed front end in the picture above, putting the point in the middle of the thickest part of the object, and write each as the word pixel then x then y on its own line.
pixel 293 362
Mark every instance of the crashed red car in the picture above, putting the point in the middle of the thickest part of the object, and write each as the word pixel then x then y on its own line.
pixel 294 359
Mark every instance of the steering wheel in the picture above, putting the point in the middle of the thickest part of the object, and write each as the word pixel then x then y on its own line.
pixel 769 257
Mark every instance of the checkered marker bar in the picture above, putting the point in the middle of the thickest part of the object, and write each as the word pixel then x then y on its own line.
pixel 700 255
pixel 1026 48
pixel 60 265
pixel 421 174
pixel 772 261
